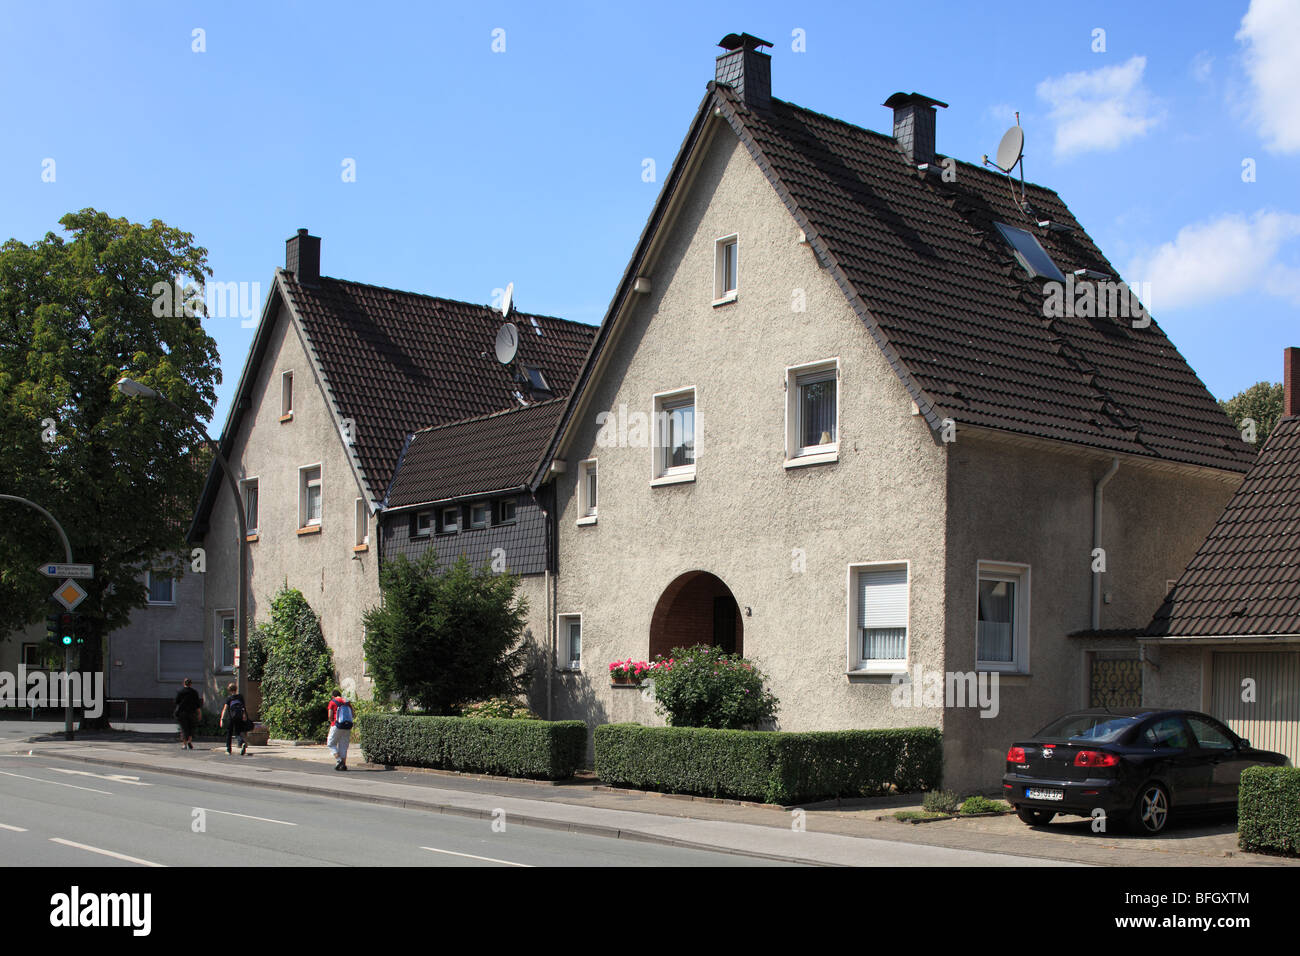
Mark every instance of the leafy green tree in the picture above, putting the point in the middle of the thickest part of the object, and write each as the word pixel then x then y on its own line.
pixel 1262 403
pixel 297 671
pixel 443 640
pixel 121 475
pixel 703 686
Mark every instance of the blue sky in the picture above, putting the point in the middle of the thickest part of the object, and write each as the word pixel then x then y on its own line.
pixel 474 167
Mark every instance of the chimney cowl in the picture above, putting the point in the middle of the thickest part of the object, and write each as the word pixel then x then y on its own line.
pixel 914 122
pixel 1291 382
pixel 746 69
pixel 302 257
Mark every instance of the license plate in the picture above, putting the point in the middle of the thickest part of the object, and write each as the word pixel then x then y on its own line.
pixel 1036 794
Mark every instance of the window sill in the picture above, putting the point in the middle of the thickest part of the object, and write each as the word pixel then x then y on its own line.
pixel 251 536
pixel 1003 673
pixel 672 479
pixel 725 300
pixel 286 418
pixel 360 547
pixel 569 669
pixel 161 604
pixel 314 529
pixel 587 519
pixel 815 458
pixel 879 670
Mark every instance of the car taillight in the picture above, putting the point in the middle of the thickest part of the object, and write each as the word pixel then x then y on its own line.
pixel 1016 755
pixel 1094 758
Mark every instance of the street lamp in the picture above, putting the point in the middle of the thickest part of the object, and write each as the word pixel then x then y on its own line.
pixel 134 389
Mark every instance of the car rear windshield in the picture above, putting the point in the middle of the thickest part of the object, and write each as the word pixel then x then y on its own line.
pixel 1097 727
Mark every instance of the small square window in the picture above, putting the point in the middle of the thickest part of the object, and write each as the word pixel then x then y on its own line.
pixel 421 523
pixel 675 435
pixel 587 487
pixel 449 521
pixel 161 588
pixel 726 274
pixel 570 643
pixel 309 496
pixel 506 509
pixel 479 512
pixel 33 656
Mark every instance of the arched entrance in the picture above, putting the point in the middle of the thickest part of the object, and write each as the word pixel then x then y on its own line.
pixel 696 608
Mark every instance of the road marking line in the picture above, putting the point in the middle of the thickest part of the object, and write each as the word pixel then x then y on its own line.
pixel 246 816
pixel 95 849
pixel 5 826
pixel 55 783
pixel 434 849
pixel 115 777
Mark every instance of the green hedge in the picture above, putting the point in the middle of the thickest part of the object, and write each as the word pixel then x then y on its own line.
pixel 549 750
pixel 768 766
pixel 1268 809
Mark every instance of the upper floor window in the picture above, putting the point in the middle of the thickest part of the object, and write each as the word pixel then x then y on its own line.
pixel 1002 617
pixel 421 523
pixel 878 612
pixel 161 588
pixel 675 436
pixel 361 524
pixel 570 644
pixel 286 395
pixel 479 512
pixel 506 509
pixel 309 496
pixel 587 492
pixel 726 277
pixel 812 413
pixel 250 505
pixel 449 521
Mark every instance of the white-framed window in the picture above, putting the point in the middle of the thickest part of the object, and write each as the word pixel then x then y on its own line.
pixel 309 496
pixel 812 413
pixel 362 524
pixel 225 643
pixel 570 642
pixel 675 431
pixel 480 513
pixel 32 658
pixel 726 269
pixel 422 524
pixel 506 509
pixel 162 589
pixel 1002 617
pixel 180 659
pixel 587 492
pixel 449 520
pixel 249 488
pixel 286 394
pixel 879 602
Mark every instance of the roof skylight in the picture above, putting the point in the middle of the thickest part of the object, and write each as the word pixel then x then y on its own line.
pixel 1030 253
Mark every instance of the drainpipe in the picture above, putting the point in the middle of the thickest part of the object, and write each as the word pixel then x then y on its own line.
pixel 1096 538
pixel 547 582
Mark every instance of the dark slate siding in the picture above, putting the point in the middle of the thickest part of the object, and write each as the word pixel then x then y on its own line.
pixel 524 542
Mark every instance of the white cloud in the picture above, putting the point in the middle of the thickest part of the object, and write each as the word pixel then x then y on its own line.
pixel 1271 31
pixel 1099 109
pixel 1226 256
pixel 1202 66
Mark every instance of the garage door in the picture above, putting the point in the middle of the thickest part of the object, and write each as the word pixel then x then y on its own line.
pixel 1272 720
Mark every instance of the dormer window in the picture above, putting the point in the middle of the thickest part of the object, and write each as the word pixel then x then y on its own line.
pixel 1030 253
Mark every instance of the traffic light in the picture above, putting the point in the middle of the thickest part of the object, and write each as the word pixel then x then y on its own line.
pixel 52 628
pixel 82 628
pixel 67 629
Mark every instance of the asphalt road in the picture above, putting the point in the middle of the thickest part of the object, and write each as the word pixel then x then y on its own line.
pixel 66 813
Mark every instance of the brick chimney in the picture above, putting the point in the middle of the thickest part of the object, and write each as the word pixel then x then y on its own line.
pixel 1291 382
pixel 302 257
pixel 914 125
pixel 746 69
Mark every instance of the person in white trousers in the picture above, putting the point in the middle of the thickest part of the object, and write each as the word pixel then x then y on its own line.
pixel 341 717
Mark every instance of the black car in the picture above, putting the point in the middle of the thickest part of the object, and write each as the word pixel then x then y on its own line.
pixel 1136 764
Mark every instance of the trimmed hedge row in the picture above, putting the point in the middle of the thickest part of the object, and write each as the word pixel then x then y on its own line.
pixel 1268 809
pixel 768 766
pixel 548 750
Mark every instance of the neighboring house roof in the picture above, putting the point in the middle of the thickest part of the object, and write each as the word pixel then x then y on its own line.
pixel 395 361
pixel 1245 579
pixel 940 292
pixel 497 452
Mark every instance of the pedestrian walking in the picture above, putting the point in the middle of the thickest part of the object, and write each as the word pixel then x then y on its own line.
pixel 341 716
pixel 188 712
pixel 235 710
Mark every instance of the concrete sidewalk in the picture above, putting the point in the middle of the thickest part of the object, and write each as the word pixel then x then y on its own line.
pixel 832 834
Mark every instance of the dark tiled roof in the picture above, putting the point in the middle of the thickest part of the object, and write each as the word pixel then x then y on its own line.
pixel 1245 579
pixel 397 361
pixel 491 453
pixel 956 314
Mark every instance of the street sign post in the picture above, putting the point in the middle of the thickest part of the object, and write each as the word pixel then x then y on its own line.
pixel 70 594
pixel 80 571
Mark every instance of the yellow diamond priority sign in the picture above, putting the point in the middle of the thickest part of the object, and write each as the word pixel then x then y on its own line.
pixel 70 594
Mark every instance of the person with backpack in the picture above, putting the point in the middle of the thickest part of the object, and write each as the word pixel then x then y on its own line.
pixel 235 709
pixel 341 717
pixel 187 713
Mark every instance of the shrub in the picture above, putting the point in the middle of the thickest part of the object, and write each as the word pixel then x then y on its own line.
pixel 444 639
pixel 768 766
pixel 978 804
pixel 499 708
pixel 1268 810
pixel 703 686
pixel 545 749
pixel 298 674
pixel 940 801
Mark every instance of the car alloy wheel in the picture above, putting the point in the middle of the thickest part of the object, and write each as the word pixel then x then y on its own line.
pixel 1152 811
pixel 1035 818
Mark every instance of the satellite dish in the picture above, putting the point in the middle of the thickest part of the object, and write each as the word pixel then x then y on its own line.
pixel 1010 149
pixel 507 300
pixel 507 342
